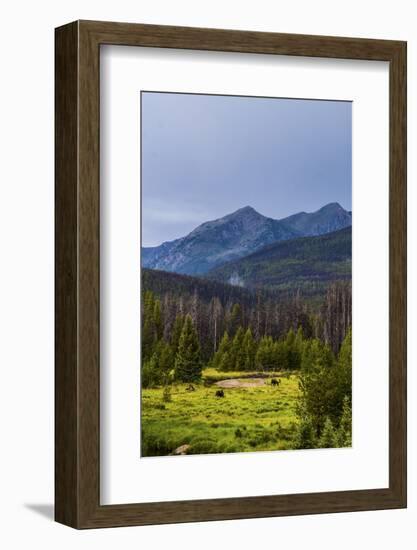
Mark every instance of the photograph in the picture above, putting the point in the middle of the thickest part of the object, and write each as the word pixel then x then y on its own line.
pixel 245 274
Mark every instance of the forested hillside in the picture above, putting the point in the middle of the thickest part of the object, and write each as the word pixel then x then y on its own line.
pixel 307 264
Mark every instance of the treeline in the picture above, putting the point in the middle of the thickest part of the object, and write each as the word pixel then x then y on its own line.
pixel 213 315
pixel 231 338
pixel 244 353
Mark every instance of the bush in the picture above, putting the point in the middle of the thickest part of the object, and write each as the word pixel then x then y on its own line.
pixel 328 439
pixel 305 438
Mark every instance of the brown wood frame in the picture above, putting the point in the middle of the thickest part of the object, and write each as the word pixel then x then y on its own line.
pixel 77 471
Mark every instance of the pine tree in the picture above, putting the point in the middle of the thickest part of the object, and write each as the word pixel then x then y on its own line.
pixel 235 352
pixel 293 349
pixel 235 319
pixel 305 438
pixel 281 356
pixel 165 359
pixel 148 326
pixel 248 351
pixel 328 438
pixel 188 360
pixel 157 320
pixel 344 364
pixel 266 356
pixel 344 435
pixel 224 362
pixel 176 333
pixel 224 348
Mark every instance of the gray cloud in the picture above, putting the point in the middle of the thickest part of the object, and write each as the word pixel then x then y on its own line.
pixel 206 156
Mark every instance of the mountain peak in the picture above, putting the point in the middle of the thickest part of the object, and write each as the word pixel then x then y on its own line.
pixel 331 207
pixel 238 234
pixel 245 210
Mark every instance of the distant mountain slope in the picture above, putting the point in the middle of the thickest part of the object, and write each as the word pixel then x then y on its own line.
pixel 216 242
pixel 308 264
pixel 236 235
pixel 331 217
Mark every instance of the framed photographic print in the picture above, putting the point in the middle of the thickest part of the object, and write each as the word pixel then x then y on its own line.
pixel 230 274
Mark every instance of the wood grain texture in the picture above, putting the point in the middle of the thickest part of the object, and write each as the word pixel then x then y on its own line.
pixel 78 284
pixel 66 237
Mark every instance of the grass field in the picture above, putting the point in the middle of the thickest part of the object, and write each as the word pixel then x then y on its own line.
pixel 258 418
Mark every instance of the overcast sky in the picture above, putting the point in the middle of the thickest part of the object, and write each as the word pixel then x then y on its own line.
pixel 206 156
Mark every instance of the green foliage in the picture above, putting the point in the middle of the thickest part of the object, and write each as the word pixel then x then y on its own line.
pixel 174 351
pixel 148 327
pixel 235 353
pixel 265 356
pixel 157 370
pixel 293 345
pixel 344 434
pixel 176 333
pixel 329 438
pixel 235 319
pixel 306 437
pixel 247 356
pixel 326 388
pixel 188 364
pixel 157 320
pixel 219 361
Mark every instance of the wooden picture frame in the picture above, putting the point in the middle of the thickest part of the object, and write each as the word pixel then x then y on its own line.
pixel 77 374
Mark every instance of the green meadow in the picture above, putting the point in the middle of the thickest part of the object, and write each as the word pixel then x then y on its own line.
pixel 258 418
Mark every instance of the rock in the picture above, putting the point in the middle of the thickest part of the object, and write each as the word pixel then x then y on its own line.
pixel 182 450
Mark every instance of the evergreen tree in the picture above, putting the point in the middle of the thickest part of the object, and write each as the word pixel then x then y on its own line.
pixel 344 434
pixel 319 385
pixel 265 356
pixel 158 369
pixel 235 319
pixel 148 326
pixel 157 320
pixel 166 362
pixel 344 363
pixel 305 438
pixel 176 333
pixel 328 439
pixel 235 355
pixel 248 351
pixel 148 373
pixel 281 356
pixel 224 348
pixel 224 362
pixel 293 346
pixel 299 341
pixel 188 360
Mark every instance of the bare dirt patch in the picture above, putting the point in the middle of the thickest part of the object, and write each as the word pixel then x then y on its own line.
pixel 241 383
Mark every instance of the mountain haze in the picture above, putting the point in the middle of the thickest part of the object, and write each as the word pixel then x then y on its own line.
pixel 237 235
